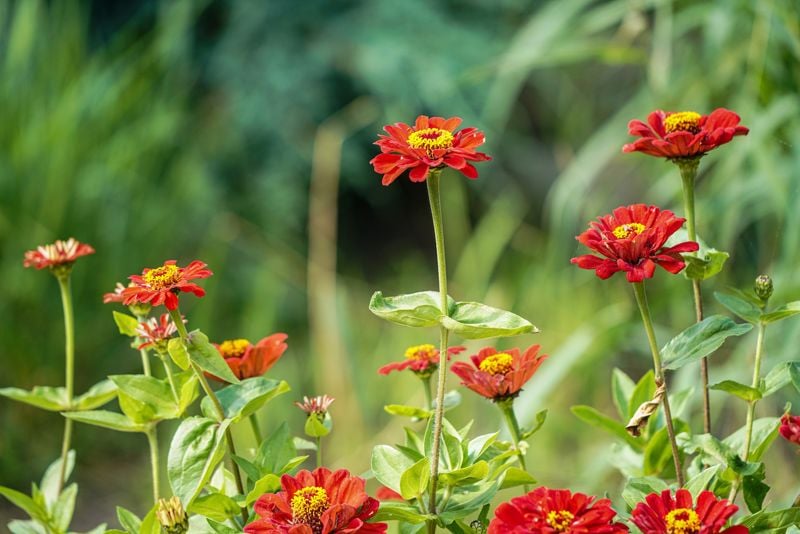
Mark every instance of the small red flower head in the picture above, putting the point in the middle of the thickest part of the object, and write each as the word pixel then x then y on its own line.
pixel 431 144
pixel 632 240
pixel 58 255
pixel 684 134
pixel 322 502
pixel 162 284
pixel 115 296
pixel 155 332
pixel 790 428
pixel 549 511
pixel 315 405
pixel 388 494
pixel 422 360
pixel 499 375
pixel 247 360
pixel 663 514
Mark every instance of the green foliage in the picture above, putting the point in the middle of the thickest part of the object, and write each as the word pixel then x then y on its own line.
pixel 127 324
pixel 700 340
pixel 203 354
pixel 245 398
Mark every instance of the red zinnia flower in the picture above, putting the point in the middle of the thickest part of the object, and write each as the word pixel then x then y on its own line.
pixel 548 511
pixel 430 144
pixel 315 405
pixel 388 494
pixel 499 375
pixel 247 360
pixel 684 134
pixel 667 515
pixel 162 284
pixel 790 428
pixel 322 502
pixel 421 359
pixel 116 295
pixel 632 240
pixel 56 254
pixel 155 331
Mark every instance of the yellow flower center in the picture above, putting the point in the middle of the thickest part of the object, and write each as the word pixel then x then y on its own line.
pixel 625 231
pixel 430 139
pixel 308 504
pixel 162 277
pixel 682 521
pixel 420 352
pixel 560 520
pixel 683 121
pixel 233 348
pixel 497 364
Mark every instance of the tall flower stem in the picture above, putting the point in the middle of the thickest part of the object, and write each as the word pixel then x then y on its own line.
pixel 426 387
pixel 319 451
pixel 256 429
pixel 69 351
pixel 143 352
pixel 178 320
pixel 641 300
pixel 507 407
pixel 152 440
pixel 441 265
pixel 688 168
pixel 170 378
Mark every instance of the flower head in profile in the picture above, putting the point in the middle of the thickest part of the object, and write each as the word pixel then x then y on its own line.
pixel 499 375
pixel 58 256
pixel 318 502
pixel 247 360
pixel 632 240
pixel 422 360
pixel 171 516
pixel 315 405
pixel 665 514
pixel 156 332
pixel 161 285
pixel 790 428
pixel 432 143
pixel 684 134
pixel 116 296
pixel 549 511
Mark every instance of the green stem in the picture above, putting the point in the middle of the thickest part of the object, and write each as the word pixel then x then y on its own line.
pixel 256 429
pixel 319 451
pixel 69 351
pixel 152 440
pixel 143 352
pixel 641 300
pixel 426 386
pixel 507 407
pixel 434 198
pixel 170 378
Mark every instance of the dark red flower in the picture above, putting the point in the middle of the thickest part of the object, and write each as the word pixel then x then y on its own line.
pixel 322 502
pixel 56 254
pixel 420 359
pixel 632 240
pixel 790 428
pixel 548 511
pixel 155 332
pixel 247 360
pixel 499 375
pixel 430 144
pixel 683 134
pixel 663 514
pixel 315 405
pixel 162 284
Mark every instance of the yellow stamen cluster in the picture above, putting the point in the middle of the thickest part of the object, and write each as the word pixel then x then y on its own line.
pixel 560 520
pixel 308 504
pixel 172 516
pixel 683 121
pixel 421 352
pixel 497 364
pixel 430 139
pixel 233 348
pixel 625 231
pixel 682 521
pixel 162 277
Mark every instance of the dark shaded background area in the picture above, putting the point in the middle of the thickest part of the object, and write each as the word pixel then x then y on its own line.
pixel 239 133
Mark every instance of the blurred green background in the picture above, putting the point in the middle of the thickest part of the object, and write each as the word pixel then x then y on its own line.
pixel 239 133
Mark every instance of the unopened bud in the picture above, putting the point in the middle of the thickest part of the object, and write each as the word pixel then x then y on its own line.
pixel 763 287
pixel 171 516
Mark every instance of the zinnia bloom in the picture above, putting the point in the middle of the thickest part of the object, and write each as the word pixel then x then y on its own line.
pixel 322 502
pixel 162 284
pixel 430 144
pixel 632 240
pixel 56 254
pixel 315 405
pixel 156 331
pixel 663 514
pixel 499 375
pixel 421 359
pixel 247 360
pixel 388 494
pixel 684 134
pixel 115 296
pixel 548 511
pixel 790 428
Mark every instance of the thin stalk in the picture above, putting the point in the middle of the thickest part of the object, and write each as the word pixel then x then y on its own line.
pixel 152 440
pixel 507 407
pixel 319 451
pixel 170 378
pixel 256 429
pixel 641 300
pixel 426 386
pixel 145 362
pixel 69 351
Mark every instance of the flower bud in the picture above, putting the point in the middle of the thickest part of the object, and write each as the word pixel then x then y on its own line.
pixel 763 287
pixel 171 516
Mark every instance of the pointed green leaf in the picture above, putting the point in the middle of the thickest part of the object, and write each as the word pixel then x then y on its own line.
pixel 65 507
pixel 207 357
pixel 771 521
pixel 220 528
pixel 473 320
pixel 127 324
pixel 389 464
pixel 407 411
pixel 636 489
pixel 215 505
pixel 105 419
pixel 397 511
pixel 25 503
pixel 754 490
pixel 778 377
pixel 196 449
pixel 150 524
pixel 49 398
pixel 269 483
pixel 128 520
pixel 145 398
pixel 98 395
pixel 739 390
pixel 49 483
pixel 539 419
pixel 276 451
pixel 621 389
pixel 417 310
pixel 590 415
pixel 245 398
pixel 178 353
pixel 700 340
pixel 742 307
pixel 765 430
pixel 514 476
pixel 414 480
pixel 465 475
pixel 705 266
pixel 26 527
pixel 700 481
pixel 778 314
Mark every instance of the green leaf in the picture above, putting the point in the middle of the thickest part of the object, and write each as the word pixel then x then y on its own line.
pixel 473 320
pixel 539 419
pixel 186 383
pixel 657 453
pixel 127 324
pixel 418 310
pixel 128 520
pixel 636 489
pixel 451 400
pixel 318 427
pixel 590 415
pixel 150 524
pixel 744 308
pixel 397 511
pixel 465 475
pixel 99 529
pixel 755 490
pixel 765 430
pixel 782 312
pixel 414 480
pixel 105 419
pixel 705 265
pixel 768 521
pixel 739 390
pixel 514 476
pixel 269 483
pixel 407 411
pixel 221 528
pixel 700 481
pixel 778 377
pixel 26 527
pixel 276 450
pixel 245 398
pixel 215 506
pixel 621 389
pixel 479 445
pixel 178 353
pixel 207 357
pixel 98 395
pixel 196 449
pixel 53 399
pixel 49 482
pixel 700 340
pixel 145 399
pixel 25 503
pixel 64 507
pixel 389 464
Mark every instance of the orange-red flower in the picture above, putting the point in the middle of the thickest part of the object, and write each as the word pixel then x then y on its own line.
pixel 161 285
pixel 315 405
pixel 790 428
pixel 388 494
pixel 322 502
pixel 115 296
pixel 683 134
pixel 663 514
pixel 499 375
pixel 430 144
pixel 247 360
pixel 422 360
pixel 632 240
pixel 549 511
pixel 155 332
pixel 56 254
